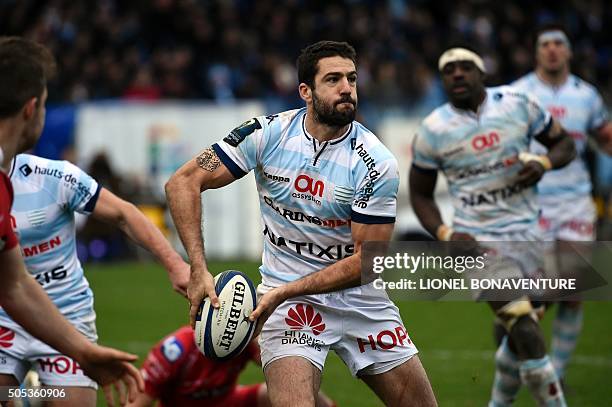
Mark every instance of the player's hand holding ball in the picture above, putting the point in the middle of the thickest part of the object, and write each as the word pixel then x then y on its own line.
pixel 223 332
pixel 201 285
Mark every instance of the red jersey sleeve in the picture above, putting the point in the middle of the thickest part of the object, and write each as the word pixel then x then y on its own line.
pixel 164 361
pixel 8 240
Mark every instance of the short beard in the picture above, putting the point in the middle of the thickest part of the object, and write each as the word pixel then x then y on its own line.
pixel 328 115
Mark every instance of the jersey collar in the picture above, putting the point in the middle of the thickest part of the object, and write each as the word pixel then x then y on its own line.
pixel 318 145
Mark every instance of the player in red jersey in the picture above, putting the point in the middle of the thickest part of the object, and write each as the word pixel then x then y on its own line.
pixel 177 374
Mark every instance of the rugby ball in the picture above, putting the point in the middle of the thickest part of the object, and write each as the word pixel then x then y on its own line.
pixel 222 333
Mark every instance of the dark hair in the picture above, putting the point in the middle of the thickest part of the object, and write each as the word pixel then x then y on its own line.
pixel 25 67
pixel 552 26
pixel 308 61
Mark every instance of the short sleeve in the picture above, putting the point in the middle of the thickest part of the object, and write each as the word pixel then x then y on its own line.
pixel 376 193
pixel 240 149
pixel 539 119
pixel 423 153
pixel 598 115
pixel 77 190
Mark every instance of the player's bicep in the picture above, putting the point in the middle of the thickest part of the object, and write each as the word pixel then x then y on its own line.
pixel 205 170
pixel 422 182
pixel 362 232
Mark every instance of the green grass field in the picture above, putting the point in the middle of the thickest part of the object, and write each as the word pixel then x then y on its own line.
pixel 136 307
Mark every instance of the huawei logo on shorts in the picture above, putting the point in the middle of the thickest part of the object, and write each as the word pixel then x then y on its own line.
pixel 304 316
pixel 6 337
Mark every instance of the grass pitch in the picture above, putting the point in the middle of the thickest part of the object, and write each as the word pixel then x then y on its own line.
pixel 136 307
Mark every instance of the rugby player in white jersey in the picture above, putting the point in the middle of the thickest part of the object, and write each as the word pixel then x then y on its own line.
pixel 47 195
pixel 326 184
pixel 479 140
pixel 24 69
pixel 568 213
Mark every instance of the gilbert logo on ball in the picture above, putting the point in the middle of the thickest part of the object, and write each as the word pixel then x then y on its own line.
pixel 225 332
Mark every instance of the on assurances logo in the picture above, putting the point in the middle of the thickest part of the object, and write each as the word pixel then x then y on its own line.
pixel 6 337
pixel 304 316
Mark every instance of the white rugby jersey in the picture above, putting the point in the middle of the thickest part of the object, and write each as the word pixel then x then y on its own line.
pixel 579 108
pixel 478 154
pixel 47 193
pixel 310 191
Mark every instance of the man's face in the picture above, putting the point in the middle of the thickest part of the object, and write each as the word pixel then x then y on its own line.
pixel 334 96
pixel 553 55
pixel 35 124
pixel 462 81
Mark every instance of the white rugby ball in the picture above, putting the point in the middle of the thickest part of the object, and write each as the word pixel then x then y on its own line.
pixel 222 333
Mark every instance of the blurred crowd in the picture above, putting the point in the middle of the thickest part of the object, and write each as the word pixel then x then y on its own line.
pixel 231 49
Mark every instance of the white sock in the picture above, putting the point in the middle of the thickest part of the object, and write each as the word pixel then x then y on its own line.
pixel 507 380
pixel 540 377
pixel 566 330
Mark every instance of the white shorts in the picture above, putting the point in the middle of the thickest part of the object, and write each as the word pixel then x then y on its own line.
pixel 565 219
pixel 20 352
pixel 513 259
pixel 361 325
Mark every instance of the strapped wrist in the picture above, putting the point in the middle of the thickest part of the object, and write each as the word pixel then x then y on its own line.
pixel 543 160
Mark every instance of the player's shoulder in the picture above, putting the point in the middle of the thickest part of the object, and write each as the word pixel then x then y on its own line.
pixel 177 345
pixel 365 141
pixel 582 86
pixel 526 81
pixel 437 121
pixel 510 97
pixel 27 165
pixel 268 127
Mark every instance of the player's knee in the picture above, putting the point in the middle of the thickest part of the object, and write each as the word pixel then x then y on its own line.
pixel 296 397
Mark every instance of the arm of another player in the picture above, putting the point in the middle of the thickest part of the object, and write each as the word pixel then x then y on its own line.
pixel 183 189
pixel 27 303
pixel 422 184
pixel 112 209
pixel 604 137
pixel 343 274
pixel 561 151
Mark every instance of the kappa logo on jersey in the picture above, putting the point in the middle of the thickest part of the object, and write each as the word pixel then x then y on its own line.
pixel 25 170
pixel 275 178
pixel 304 316
pixel 172 349
pixel 241 132
pixel 6 337
pixel 60 365
pixel 385 340
pixel 486 141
